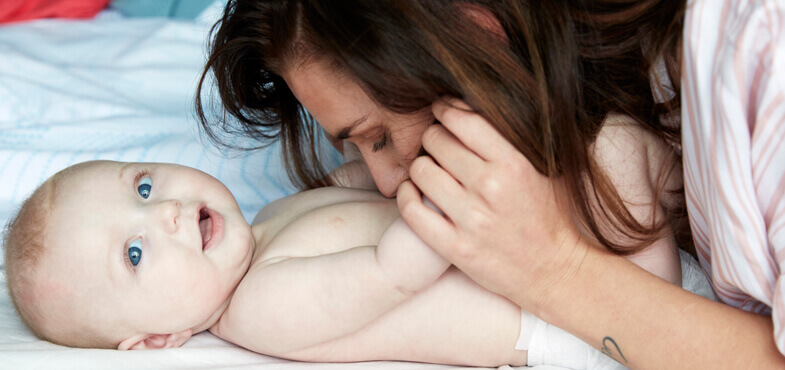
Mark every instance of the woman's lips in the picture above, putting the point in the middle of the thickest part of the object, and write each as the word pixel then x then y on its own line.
pixel 211 228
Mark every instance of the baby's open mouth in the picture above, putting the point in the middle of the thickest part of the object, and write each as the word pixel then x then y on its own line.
pixel 205 226
pixel 211 227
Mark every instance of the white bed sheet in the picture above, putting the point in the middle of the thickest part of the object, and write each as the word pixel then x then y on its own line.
pixel 119 89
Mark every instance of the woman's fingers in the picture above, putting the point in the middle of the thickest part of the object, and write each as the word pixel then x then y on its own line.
pixel 502 218
pixel 440 187
pixel 427 223
pixel 450 153
pixel 472 130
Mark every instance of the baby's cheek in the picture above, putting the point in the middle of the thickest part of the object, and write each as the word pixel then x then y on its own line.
pixel 204 289
pixel 52 289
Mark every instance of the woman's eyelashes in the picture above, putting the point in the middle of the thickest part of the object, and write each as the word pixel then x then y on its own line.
pixel 144 185
pixel 380 144
pixel 133 254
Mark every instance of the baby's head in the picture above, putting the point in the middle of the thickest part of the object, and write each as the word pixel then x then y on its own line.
pixel 126 255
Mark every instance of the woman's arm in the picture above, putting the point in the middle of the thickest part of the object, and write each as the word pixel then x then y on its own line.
pixel 298 303
pixel 644 322
pixel 607 301
pixel 732 83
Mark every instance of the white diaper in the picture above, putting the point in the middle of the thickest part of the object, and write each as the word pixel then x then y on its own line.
pixel 549 345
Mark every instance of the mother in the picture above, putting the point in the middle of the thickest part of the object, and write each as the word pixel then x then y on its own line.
pixel 536 80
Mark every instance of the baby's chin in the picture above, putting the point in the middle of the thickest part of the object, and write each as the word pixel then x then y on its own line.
pixel 213 318
pixel 246 249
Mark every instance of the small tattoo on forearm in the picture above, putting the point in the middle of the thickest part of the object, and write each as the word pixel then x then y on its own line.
pixel 610 352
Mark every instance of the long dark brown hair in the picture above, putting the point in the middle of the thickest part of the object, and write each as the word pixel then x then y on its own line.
pixel 547 84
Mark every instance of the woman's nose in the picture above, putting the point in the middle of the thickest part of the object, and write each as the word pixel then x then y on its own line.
pixel 387 175
pixel 167 214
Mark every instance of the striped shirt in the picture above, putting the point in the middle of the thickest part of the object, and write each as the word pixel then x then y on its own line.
pixel 733 142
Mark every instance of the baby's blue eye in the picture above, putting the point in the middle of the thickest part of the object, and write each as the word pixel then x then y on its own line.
pixel 145 186
pixel 135 252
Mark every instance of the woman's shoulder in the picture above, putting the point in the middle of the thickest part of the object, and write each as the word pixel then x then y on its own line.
pixel 630 152
pixel 622 134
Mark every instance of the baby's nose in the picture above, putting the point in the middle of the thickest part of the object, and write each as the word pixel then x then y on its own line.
pixel 169 214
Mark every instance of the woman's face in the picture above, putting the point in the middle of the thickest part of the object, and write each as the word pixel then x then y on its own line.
pixel 388 141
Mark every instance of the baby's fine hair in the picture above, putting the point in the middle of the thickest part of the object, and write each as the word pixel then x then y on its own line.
pixel 24 246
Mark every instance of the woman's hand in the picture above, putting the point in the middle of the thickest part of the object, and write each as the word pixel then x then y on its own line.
pixel 505 225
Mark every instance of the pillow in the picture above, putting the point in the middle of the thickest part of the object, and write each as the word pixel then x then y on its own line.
pixel 22 10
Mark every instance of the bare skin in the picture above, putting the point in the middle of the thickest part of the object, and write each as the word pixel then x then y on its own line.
pixel 563 267
pixel 331 274
pixel 318 290
pixel 323 283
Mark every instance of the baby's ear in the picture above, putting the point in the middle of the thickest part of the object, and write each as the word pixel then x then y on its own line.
pixel 154 341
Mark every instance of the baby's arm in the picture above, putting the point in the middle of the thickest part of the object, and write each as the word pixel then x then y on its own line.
pixel 298 303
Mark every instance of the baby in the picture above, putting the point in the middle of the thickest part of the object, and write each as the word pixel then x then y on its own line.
pixel 144 255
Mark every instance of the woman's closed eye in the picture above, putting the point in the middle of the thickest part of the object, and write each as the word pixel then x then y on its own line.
pixel 133 253
pixel 380 143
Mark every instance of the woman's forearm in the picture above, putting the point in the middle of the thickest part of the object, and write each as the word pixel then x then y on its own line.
pixel 644 322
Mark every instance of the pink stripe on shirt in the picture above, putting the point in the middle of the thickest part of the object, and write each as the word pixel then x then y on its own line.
pixel 733 146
